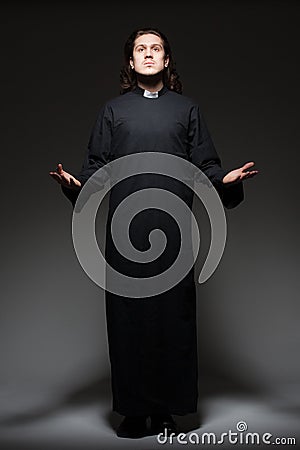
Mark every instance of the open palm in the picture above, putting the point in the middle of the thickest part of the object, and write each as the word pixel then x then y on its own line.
pixel 65 178
pixel 241 173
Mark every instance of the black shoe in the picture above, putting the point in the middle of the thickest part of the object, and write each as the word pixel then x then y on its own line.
pixel 163 423
pixel 133 427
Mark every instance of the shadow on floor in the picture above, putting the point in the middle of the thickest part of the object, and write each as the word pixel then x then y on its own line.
pixel 98 392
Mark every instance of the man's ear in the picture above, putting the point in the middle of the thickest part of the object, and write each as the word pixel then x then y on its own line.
pixel 166 61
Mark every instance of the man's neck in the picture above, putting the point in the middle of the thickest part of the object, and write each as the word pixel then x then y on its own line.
pixel 149 83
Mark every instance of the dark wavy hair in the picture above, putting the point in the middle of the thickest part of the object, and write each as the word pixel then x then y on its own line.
pixel 128 80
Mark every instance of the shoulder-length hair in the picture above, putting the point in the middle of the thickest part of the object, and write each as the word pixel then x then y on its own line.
pixel 128 80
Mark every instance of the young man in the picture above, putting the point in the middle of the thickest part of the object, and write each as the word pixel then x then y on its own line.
pixel 153 340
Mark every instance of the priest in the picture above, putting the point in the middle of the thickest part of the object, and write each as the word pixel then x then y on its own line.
pixel 153 340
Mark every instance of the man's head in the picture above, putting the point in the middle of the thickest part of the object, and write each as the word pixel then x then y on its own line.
pixel 148 52
pixel 148 55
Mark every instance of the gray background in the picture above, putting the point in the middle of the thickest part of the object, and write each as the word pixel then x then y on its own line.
pixel 60 62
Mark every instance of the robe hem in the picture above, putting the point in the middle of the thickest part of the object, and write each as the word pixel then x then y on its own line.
pixel 171 411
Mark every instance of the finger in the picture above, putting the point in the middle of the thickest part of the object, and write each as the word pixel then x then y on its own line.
pixel 245 175
pixel 251 174
pixel 72 184
pixel 248 165
pixel 59 168
pixel 56 177
pixel 65 181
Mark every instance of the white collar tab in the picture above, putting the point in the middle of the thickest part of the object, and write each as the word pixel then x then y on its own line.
pixel 149 94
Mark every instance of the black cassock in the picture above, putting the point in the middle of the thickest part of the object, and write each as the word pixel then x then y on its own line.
pixel 153 340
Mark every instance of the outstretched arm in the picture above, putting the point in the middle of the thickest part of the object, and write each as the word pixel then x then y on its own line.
pixel 97 155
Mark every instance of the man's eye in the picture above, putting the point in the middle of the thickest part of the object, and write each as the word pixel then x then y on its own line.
pixel 140 49
pixel 156 49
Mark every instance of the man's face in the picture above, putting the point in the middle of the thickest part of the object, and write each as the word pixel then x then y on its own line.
pixel 148 55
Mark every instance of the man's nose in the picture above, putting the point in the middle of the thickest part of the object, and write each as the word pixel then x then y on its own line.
pixel 148 53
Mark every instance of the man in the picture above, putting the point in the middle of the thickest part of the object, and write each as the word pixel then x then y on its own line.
pixel 153 340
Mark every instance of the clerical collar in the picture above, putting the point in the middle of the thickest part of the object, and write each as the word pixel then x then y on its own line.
pixel 148 94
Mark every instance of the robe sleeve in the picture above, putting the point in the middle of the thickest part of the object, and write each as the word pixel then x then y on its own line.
pixel 98 151
pixel 203 154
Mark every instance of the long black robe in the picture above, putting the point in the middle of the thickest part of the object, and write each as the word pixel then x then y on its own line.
pixel 153 341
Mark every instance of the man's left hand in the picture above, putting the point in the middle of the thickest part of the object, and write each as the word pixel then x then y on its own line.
pixel 240 174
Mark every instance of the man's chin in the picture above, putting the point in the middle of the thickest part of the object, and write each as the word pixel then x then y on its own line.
pixel 152 74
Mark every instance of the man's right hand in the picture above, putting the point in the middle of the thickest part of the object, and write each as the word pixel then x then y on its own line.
pixel 65 178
